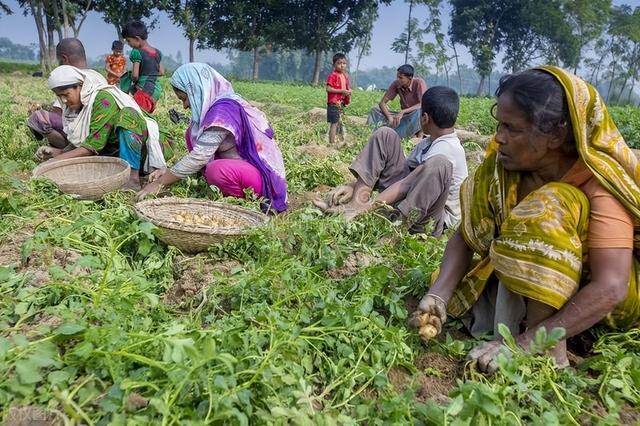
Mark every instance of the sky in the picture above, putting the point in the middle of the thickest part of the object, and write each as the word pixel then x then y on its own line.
pixel 97 36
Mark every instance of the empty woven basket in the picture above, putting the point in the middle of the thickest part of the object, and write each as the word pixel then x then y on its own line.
pixel 87 177
pixel 192 237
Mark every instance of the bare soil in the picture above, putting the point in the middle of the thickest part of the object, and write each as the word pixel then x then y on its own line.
pixel 30 415
pixel 352 263
pixel 436 377
pixel 192 275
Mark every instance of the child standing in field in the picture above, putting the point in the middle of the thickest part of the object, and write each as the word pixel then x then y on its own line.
pixel 143 82
pixel 338 94
pixel 115 63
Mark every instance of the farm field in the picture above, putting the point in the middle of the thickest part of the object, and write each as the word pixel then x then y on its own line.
pixel 301 322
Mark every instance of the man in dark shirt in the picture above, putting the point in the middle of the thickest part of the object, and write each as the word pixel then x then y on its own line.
pixel 406 122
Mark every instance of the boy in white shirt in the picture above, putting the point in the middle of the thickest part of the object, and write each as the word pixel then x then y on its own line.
pixel 425 185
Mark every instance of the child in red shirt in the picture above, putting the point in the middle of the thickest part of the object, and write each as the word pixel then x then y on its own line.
pixel 338 94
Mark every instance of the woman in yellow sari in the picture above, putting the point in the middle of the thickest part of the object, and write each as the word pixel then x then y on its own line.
pixel 550 213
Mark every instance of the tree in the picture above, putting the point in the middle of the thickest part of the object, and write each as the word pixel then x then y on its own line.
pixel 625 32
pixel 5 9
pixel 42 13
pixel 588 19
pixel 183 14
pixel 74 14
pixel 538 30
pixel 120 13
pixel 476 24
pixel 329 24
pixel 434 54
pixel 10 50
pixel 362 44
pixel 260 27
pixel 402 43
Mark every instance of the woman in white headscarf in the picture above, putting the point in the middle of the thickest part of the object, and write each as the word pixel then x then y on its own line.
pixel 100 119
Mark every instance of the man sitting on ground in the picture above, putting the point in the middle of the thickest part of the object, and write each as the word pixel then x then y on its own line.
pixel 406 122
pixel 425 186
pixel 48 124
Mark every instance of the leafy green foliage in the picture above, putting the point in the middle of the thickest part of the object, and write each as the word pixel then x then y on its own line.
pixel 307 326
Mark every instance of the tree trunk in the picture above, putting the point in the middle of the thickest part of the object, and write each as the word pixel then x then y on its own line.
pixel 50 41
pixel 613 77
pixel 256 64
pixel 36 11
pixel 76 28
pixel 65 20
pixel 624 86
pixel 118 32
pixel 192 43
pixel 56 19
pixel 316 67
pixel 455 53
pixel 481 85
pixel 408 47
pixel 355 74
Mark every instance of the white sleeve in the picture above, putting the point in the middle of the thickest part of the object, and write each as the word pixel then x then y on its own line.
pixel 202 153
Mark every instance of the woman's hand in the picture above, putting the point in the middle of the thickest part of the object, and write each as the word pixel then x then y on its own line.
pixel 150 189
pixel 430 316
pixel 486 356
pixel 157 180
pixel 46 153
pixel 157 174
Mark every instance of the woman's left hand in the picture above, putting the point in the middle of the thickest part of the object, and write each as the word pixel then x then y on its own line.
pixel 486 356
pixel 150 189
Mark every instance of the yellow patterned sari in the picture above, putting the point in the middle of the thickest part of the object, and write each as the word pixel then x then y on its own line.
pixel 533 247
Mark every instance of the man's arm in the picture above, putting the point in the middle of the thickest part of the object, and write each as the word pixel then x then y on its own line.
pixel 384 108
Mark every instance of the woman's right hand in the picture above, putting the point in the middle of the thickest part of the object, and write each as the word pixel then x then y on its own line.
pixel 430 316
pixel 157 174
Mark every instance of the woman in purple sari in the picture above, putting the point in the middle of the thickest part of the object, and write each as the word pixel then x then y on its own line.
pixel 229 140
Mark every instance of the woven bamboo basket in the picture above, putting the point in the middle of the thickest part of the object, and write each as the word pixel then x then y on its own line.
pixel 87 177
pixel 193 237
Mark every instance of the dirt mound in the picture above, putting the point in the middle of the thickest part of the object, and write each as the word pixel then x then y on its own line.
pixel 40 260
pixel 321 113
pixel 192 275
pixel 436 377
pixel 360 121
pixel 30 415
pixel 11 247
pixel 466 135
pixel 352 263
pixel 317 113
pixel 474 157
pixel 298 200
pixel 316 151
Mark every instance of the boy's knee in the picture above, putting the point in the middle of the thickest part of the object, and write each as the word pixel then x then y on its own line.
pixel 386 135
pixel 436 167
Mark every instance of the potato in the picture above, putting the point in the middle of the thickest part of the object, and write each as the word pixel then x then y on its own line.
pixel 204 220
pixel 427 332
